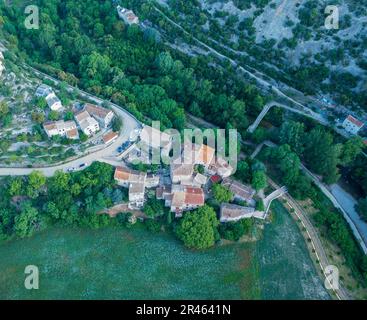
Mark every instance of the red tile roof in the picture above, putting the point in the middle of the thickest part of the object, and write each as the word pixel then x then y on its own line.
pixel 355 121
pixel 215 178
pixel 194 196
pixel 109 137
pixel 122 174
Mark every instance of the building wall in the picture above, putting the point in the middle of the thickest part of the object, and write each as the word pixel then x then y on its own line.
pixel 350 127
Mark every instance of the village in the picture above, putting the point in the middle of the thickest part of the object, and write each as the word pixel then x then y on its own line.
pixel 186 183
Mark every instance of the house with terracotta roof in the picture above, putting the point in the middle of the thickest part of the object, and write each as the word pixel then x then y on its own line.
pixel 61 128
pixel 127 15
pixel 102 115
pixel 198 154
pixel 110 137
pixel 87 124
pixel 240 191
pixel 135 181
pixel 232 212
pixel 352 125
pixel 181 198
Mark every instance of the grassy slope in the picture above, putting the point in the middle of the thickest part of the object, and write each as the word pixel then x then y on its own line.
pixel 135 264
pixel 119 264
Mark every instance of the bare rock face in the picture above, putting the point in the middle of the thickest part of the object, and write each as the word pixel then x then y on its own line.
pixel 2 67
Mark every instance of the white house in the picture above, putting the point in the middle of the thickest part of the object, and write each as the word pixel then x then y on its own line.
pixel 181 172
pixel 198 154
pixel 127 15
pixel 136 182
pixel 61 128
pixel 87 124
pixel 152 181
pixel 136 195
pixel 102 115
pixel 53 102
pixel 184 198
pixel 352 125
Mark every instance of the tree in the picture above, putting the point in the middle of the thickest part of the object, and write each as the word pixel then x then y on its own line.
pixel 36 181
pixel 95 67
pixel 52 210
pixel 53 115
pixel 69 115
pixel 259 135
pixel 116 124
pixel 117 196
pixel 243 171
pixel 27 221
pixel 288 163
pixel 222 193
pixel 260 205
pixel 234 231
pixel 38 117
pixel 15 186
pixel 42 103
pixel 152 225
pixel 4 109
pixel 198 229
pixel 164 62
pixel 350 150
pixel 292 133
pixel 153 208
pixel 259 180
pixel 322 155
pixel 59 182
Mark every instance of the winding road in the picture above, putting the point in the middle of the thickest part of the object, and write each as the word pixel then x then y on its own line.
pixel 320 254
pixel 130 123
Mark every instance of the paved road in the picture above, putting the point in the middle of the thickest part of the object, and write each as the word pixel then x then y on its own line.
pixel 358 226
pixel 348 203
pixel 129 125
pixel 323 260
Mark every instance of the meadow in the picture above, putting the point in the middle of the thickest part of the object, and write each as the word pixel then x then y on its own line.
pixel 115 263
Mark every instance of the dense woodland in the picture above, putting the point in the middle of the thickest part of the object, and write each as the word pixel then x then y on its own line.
pixel 31 204
pixel 128 65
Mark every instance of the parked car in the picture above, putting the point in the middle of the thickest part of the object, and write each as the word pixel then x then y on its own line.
pixel 83 165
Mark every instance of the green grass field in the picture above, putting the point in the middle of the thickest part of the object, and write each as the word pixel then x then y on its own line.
pixel 116 263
